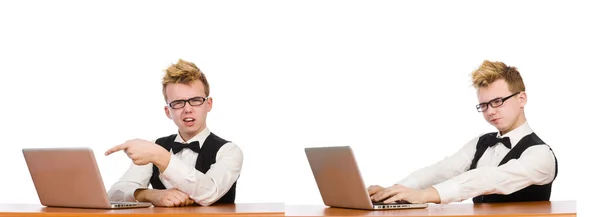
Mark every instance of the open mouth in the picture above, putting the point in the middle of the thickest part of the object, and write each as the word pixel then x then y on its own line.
pixel 189 121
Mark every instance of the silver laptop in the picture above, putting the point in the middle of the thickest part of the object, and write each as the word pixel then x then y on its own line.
pixel 69 177
pixel 339 181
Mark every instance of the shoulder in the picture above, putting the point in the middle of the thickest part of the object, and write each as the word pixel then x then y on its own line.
pixel 541 149
pixel 165 138
pixel 539 153
pixel 486 136
pixel 165 141
pixel 212 136
pixel 539 158
pixel 228 146
pixel 536 139
pixel 472 143
pixel 230 149
pixel 231 146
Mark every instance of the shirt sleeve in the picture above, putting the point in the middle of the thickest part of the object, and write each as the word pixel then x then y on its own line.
pixel 536 166
pixel 443 170
pixel 134 178
pixel 205 189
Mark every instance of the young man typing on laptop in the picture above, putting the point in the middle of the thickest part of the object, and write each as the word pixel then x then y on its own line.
pixel 510 165
pixel 192 166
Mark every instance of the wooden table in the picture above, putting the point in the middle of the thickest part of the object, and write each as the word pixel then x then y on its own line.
pixel 239 209
pixel 528 209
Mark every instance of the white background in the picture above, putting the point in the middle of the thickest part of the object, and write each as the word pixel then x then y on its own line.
pixel 391 79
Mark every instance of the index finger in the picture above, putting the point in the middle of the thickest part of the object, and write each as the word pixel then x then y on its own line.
pixel 115 149
pixel 373 189
pixel 384 194
pixel 398 198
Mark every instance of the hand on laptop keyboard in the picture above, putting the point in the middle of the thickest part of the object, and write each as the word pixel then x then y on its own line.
pixel 412 195
pixel 374 189
pixel 395 202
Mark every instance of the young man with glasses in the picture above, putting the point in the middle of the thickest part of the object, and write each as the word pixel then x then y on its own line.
pixel 510 165
pixel 192 166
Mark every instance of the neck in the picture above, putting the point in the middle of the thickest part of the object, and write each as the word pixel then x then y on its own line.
pixel 520 121
pixel 188 136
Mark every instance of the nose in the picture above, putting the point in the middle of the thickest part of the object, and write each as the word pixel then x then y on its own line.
pixel 490 111
pixel 187 107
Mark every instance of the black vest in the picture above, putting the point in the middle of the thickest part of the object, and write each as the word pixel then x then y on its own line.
pixel 206 157
pixel 530 193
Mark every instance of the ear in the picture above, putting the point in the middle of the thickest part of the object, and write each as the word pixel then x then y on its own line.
pixel 522 99
pixel 167 112
pixel 209 103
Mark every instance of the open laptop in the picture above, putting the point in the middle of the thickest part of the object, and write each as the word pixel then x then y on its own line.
pixel 69 177
pixel 340 182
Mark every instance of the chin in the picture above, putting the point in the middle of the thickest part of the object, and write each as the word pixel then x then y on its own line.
pixel 503 129
pixel 193 129
pixel 499 127
pixel 186 129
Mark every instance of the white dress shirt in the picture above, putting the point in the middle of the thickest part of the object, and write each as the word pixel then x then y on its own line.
pixel 181 174
pixel 454 181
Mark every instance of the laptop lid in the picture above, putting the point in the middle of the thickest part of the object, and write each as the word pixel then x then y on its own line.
pixel 66 177
pixel 339 180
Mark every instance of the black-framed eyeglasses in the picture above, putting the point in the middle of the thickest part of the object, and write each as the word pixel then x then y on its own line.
pixel 195 101
pixel 493 103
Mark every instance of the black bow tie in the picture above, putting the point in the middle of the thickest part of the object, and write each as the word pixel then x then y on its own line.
pixel 177 147
pixel 492 141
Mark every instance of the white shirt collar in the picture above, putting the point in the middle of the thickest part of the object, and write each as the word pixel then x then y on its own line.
pixel 200 137
pixel 517 134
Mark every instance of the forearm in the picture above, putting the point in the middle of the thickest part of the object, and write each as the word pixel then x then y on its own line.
pixel 144 194
pixel 428 176
pixel 136 177
pixel 422 178
pixel 206 188
pixel 467 185
pixel 442 170
pixel 535 166
pixel 199 186
pixel 122 191
pixel 482 181
pixel 432 195
pixel 161 160
pixel 205 191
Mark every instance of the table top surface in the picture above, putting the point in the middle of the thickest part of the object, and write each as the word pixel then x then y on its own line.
pixel 553 208
pixel 531 209
pixel 244 209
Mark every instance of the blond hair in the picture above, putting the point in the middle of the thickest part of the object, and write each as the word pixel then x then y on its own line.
pixel 489 72
pixel 183 73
